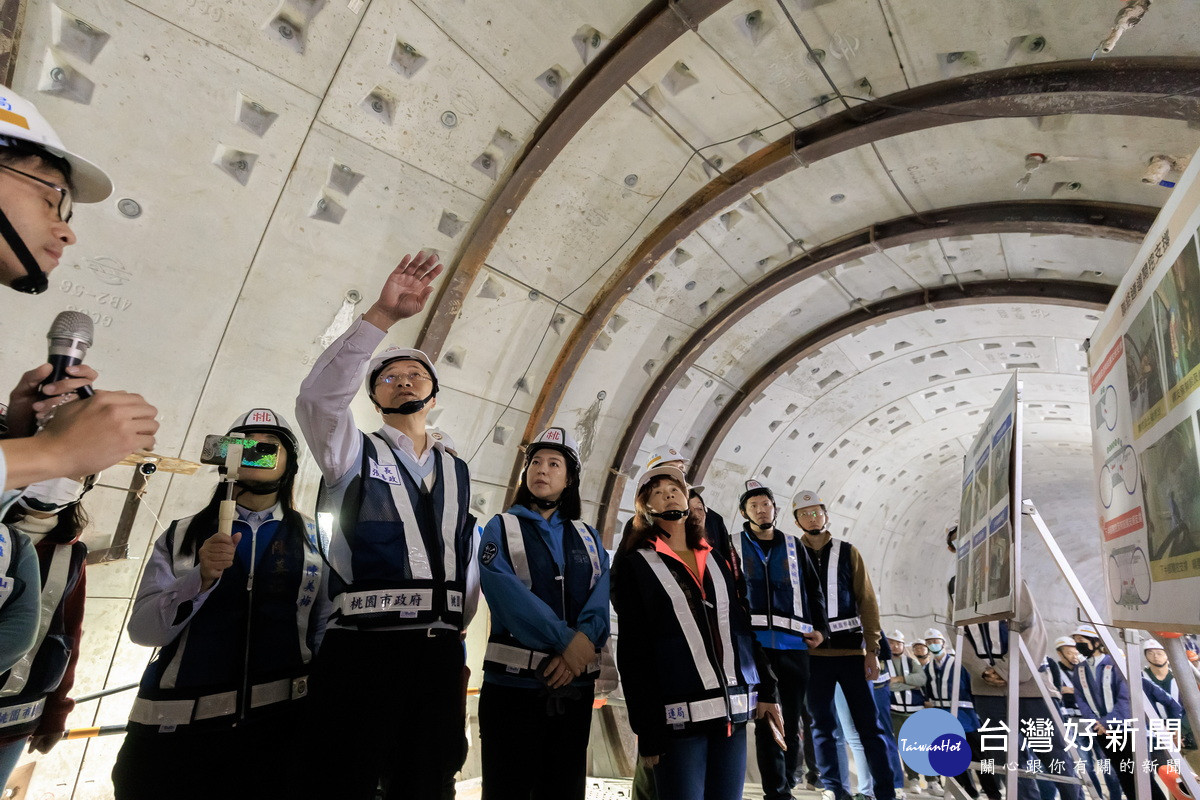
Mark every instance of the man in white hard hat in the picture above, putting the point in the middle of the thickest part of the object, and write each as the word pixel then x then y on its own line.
pixel 906 679
pixel 40 181
pixel 1059 669
pixel 1159 672
pixel 402 576
pixel 782 591
pixel 849 657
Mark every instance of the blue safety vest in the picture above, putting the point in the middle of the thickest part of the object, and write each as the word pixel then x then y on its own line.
pixel 939 688
pixel 566 594
pixel 776 592
pixel 197 679
pixel 409 548
pixel 841 607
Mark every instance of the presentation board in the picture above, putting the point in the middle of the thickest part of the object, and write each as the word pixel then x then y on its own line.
pixel 990 515
pixel 1144 371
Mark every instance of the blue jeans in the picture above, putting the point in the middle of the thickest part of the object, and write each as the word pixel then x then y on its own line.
pixel 10 754
pixel 863 782
pixel 1028 708
pixel 703 767
pixel 826 672
pixel 883 706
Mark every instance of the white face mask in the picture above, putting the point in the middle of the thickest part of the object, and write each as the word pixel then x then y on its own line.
pixel 50 496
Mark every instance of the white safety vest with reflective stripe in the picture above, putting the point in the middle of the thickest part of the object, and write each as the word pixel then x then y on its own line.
pixel 7 543
pixel 717 679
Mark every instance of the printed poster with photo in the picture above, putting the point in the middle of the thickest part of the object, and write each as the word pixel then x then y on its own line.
pixel 987 526
pixel 1144 371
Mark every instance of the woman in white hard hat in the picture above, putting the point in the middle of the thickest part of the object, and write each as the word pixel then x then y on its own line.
pixel 691 668
pixel 544 573
pixel 221 709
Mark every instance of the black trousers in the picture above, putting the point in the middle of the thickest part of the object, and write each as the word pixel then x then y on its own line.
pixel 778 768
pixel 527 754
pixel 391 707
pixel 260 758
pixel 1128 778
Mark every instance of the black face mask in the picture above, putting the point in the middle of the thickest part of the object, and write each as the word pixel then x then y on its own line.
pixel 259 487
pixel 673 515
pixel 1085 649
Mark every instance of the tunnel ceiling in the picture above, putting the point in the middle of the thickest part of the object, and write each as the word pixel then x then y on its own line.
pixel 804 240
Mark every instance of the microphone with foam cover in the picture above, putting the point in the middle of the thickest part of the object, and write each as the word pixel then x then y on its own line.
pixel 70 337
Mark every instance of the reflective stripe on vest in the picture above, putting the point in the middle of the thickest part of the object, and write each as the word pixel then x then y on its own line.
pixel 941 683
pixel 903 702
pixel 523 661
pixel 310 584
pixel 687 623
pixel 23 713
pixel 988 639
pixel 418 558
pixel 520 561
pixel 7 542
pixel 741 703
pixel 1104 679
pixel 52 592
pixel 223 704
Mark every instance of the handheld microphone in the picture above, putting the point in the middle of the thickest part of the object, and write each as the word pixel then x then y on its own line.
pixel 70 337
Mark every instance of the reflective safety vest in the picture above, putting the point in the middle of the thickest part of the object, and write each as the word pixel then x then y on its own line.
pixel 1102 700
pixel 398 554
pixel 198 677
pixel 906 701
pixel 841 607
pixel 775 588
pixel 940 684
pixel 10 540
pixel 565 594
pixel 708 680
pixel 24 688
pixel 989 640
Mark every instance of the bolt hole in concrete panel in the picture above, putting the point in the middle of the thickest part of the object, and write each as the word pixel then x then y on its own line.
pixel 737 448
pixel 774 424
pixel 238 164
pixel 450 225
pixel 552 80
pixel 963 371
pixel 343 178
pixel 490 290
pixel 1026 365
pixel 522 385
pixel 817 446
pixel 730 219
pixel 588 43
pixel 557 323
pixel 61 80
pixel 380 104
pixel 957 62
pixel 792 436
pixel 326 209
pixel 653 430
pixel 288 31
pixel 755 25
pixel 456 357
pixel 72 35
pixel 680 256
pixel 406 59
pixel 488 164
pixel 254 116
pixel 654 280
pixel 500 434
pixel 1022 45
pixel 678 78
pixel 828 379
pixel 766 472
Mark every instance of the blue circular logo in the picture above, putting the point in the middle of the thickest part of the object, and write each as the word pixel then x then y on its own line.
pixel 933 742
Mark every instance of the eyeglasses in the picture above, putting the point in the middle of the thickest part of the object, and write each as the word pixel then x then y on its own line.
pixel 406 377
pixel 811 514
pixel 65 202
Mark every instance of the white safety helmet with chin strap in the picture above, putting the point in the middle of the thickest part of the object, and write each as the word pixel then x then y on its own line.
pixel 264 420
pixel 1064 641
pixel 23 128
pixel 934 633
pixel 556 439
pixel 805 498
pixel 898 636
pixel 394 353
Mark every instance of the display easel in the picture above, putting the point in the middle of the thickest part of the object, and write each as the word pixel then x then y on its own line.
pixel 1129 663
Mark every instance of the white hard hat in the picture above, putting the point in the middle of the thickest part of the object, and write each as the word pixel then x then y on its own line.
pixel 394 353
pixel 806 498
pixel 266 421
pixel 1064 641
pixel 556 439
pixel 1150 644
pixel 934 633
pixel 439 435
pixel 670 472
pixel 664 455
pixel 19 119
pixel 1086 630
pixel 754 488
pixel 898 636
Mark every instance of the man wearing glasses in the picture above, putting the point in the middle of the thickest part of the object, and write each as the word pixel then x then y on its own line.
pixel 39 182
pixel 394 511
pixel 849 655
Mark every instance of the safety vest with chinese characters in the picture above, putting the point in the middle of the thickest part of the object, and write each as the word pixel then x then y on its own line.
pixel 24 688
pixel 197 680
pixel 565 593
pixel 939 688
pixel 777 582
pixel 841 607
pixel 704 658
pixel 399 550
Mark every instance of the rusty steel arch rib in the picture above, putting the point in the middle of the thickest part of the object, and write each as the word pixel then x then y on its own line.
pixel 1077 294
pixel 654 28
pixel 1070 217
